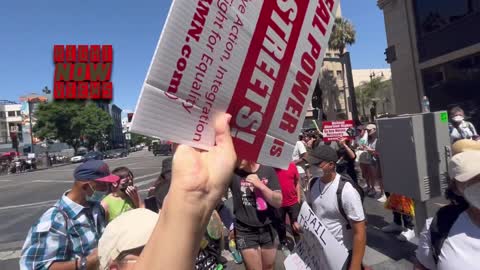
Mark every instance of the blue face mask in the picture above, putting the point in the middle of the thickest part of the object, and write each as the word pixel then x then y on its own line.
pixel 97 196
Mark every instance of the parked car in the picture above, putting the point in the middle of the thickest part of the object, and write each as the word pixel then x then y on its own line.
pixel 94 155
pixel 162 149
pixel 116 153
pixel 80 157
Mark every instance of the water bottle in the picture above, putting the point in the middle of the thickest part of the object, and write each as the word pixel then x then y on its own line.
pixel 426 104
pixel 237 257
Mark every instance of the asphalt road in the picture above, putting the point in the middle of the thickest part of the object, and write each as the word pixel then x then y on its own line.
pixel 24 197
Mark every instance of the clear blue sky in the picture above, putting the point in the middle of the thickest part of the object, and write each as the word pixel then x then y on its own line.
pixel 29 29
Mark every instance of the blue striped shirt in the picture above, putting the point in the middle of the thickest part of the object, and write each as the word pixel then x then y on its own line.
pixel 64 232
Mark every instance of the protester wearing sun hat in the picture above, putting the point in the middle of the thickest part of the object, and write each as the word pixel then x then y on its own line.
pixel 67 234
pixel 452 239
pixel 124 238
pixel 465 145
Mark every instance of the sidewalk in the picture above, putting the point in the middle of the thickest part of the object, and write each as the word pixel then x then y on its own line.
pixel 384 251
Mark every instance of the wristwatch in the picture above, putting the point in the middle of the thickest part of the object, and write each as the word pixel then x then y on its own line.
pixel 83 263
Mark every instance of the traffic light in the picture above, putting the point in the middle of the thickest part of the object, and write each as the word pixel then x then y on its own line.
pixel 130 116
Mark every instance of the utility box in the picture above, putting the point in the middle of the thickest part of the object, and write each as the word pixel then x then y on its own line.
pixel 414 152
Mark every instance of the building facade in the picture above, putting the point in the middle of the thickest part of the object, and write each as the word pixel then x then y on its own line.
pixel 330 99
pixel 10 120
pixel 434 51
pixel 117 139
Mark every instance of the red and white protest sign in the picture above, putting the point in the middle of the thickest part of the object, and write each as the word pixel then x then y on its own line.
pixel 257 60
pixel 334 131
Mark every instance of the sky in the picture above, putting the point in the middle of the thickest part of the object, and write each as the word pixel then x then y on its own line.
pixel 29 29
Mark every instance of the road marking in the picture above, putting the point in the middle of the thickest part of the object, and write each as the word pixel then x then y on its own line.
pixel 52 181
pixel 6 180
pixel 147 175
pixel 27 205
pixel 10 255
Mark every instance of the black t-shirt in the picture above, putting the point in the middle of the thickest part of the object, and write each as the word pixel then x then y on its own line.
pixel 244 200
pixel 346 165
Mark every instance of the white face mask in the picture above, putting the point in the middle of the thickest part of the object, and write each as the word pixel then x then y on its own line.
pixel 472 195
pixel 316 171
pixel 458 118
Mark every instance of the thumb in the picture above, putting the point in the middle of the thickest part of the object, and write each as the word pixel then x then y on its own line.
pixel 222 130
pixel 223 139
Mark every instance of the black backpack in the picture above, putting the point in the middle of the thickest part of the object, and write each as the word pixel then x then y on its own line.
pixel 344 178
pixel 441 225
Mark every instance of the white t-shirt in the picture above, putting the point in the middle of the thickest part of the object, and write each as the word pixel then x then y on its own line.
pixel 325 206
pixel 460 250
pixel 297 152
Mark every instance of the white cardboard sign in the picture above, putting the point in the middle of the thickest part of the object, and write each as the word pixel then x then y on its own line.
pixel 258 60
pixel 318 249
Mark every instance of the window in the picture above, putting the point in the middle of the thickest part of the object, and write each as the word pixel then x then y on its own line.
pixel 19 113
pixel 330 73
pixel 339 74
pixel 337 55
pixel 435 15
pixel 11 114
pixel 2 115
pixel 329 55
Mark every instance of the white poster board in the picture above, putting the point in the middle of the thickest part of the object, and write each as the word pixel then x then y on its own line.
pixel 318 249
pixel 257 60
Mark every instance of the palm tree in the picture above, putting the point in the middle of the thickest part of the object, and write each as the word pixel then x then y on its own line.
pixel 369 91
pixel 343 34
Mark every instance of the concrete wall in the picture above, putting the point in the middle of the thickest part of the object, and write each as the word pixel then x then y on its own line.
pixel 400 30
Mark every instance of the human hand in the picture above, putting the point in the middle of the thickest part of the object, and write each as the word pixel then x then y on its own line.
pixel 93 260
pixel 204 175
pixel 151 191
pixel 132 193
pixel 254 180
pixel 341 142
pixel 231 235
pixel 297 228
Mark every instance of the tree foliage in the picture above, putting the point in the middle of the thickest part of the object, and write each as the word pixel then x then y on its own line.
pixel 139 139
pixel 375 89
pixel 343 34
pixel 72 122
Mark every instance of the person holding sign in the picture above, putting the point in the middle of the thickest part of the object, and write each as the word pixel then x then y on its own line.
pixel 337 203
pixel 256 194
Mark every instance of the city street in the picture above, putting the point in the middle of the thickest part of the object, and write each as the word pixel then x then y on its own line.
pixel 24 197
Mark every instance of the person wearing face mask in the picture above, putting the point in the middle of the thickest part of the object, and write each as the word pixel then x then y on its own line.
pixel 124 196
pixel 66 235
pixel 337 202
pixel 451 240
pixel 459 128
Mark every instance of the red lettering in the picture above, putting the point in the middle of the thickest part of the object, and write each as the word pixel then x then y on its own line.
pixel 59 90
pixel 83 53
pixel 58 53
pixel 82 90
pixel 107 53
pixel 71 53
pixel 107 88
pixel 95 90
pixel 95 53
pixel 71 90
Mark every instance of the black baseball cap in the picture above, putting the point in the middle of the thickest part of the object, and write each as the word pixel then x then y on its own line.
pixel 320 154
pixel 94 170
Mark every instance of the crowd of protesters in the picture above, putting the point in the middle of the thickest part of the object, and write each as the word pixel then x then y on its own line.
pixel 102 223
